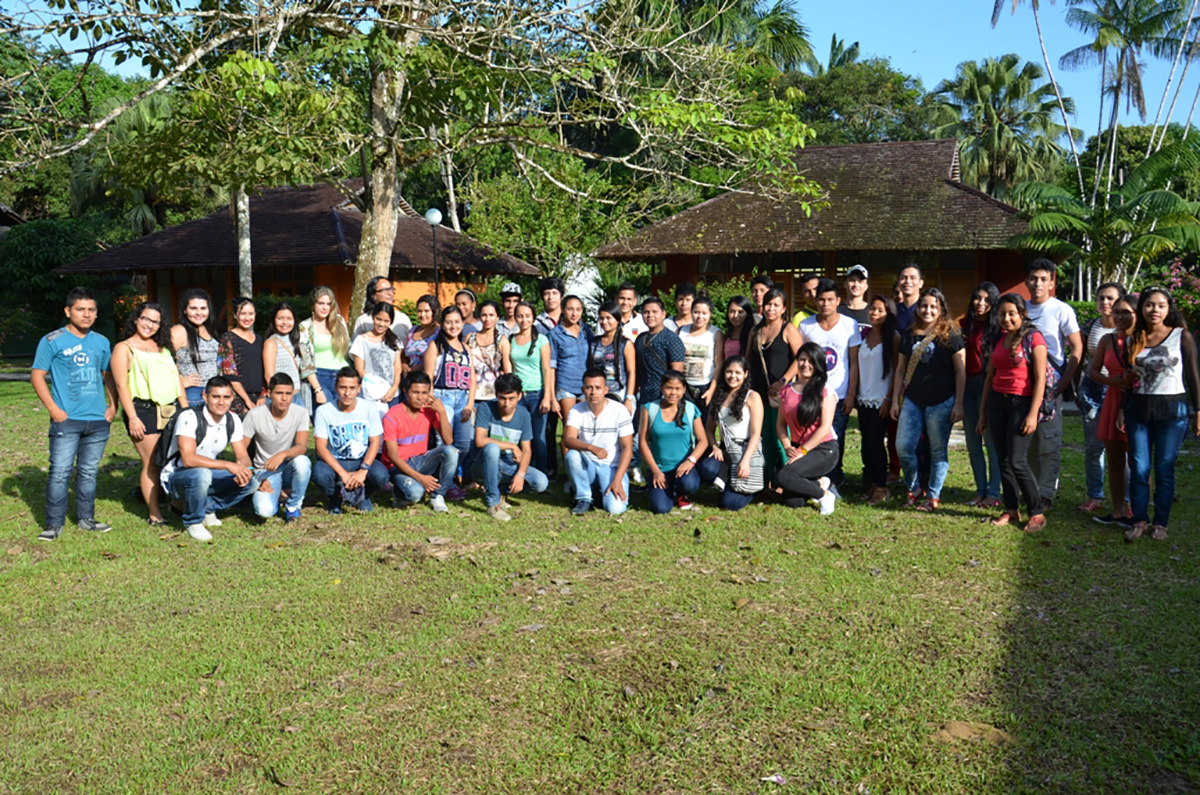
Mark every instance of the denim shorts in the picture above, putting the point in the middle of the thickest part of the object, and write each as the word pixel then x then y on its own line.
pixel 563 394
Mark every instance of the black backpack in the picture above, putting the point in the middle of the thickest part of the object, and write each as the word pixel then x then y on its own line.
pixel 162 450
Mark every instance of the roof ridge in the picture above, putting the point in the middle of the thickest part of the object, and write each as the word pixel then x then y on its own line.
pixel 1008 208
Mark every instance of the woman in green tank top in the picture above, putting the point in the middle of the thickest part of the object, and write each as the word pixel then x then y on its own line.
pixel 150 389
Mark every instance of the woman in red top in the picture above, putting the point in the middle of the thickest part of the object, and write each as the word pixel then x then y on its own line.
pixel 1012 393
pixel 981 330
pixel 805 429
pixel 1110 357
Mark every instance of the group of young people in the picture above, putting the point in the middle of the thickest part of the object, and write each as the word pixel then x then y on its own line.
pixel 470 396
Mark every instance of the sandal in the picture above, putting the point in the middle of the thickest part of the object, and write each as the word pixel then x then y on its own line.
pixel 929 506
pixel 878 495
pixel 1035 524
pixel 1091 505
pixel 1160 533
pixel 976 501
pixel 1135 532
pixel 1004 519
pixel 157 522
pixel 914 499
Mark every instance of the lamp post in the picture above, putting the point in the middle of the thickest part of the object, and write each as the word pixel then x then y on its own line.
pixel 434 216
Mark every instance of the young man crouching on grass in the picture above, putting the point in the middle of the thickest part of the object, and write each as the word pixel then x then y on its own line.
pixel 599 442
pixel 504 448
pixel 411 464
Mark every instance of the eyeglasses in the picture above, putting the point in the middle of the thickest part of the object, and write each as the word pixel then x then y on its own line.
pixel 385 289
pixel 149 321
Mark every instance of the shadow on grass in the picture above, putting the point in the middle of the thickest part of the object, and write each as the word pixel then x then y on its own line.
pixel 1102 675
pixel 118 476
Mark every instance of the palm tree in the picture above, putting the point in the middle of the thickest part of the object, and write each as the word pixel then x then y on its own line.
pixel 1003 115
pixel 1139 220
pixel 1062 105
pixel 767 34
pixel 839 55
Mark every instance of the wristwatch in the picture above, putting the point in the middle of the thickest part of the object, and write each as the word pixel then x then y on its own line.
pixel 690 458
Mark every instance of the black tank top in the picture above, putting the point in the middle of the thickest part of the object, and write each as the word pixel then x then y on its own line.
pixel 778 357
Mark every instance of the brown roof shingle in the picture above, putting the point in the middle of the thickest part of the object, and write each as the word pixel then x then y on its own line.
pixel 888 196
pixel 297 227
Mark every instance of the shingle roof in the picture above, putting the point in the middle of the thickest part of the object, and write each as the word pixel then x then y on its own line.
pixel 298 227
pixel 888 196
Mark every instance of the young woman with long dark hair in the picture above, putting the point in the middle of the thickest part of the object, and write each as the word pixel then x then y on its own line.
pixel 421 335
pixel 740 316
pixel 1089 398
pixel 326 339
pixel 1108 370
pixel 611 352
pixel 1012 392
pixel 877 357
pixel 194 339
pixel 241 356
pixel 448 365
pixel 804 427
pixel 773 348
pixel 150 390
pixel 928 394
pixel 672 440
pixel 484 345
pixel 704 352
pixel 377 357
pixel 527 354
pixel 283 353
pixel 981 329
pixel 735 466
pixel 1162 369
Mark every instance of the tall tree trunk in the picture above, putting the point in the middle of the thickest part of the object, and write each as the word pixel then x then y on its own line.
pixel 380 214
pixel 1170 79
pixel 1062 108
pixel 241 202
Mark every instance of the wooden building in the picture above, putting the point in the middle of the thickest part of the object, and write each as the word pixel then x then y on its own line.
pixel 299 238
pixel 888 204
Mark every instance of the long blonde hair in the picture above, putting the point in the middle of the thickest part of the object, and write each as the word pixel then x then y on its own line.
pixel 335 322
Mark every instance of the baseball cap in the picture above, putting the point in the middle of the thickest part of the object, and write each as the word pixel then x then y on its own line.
pixel 510 288
pixel 857 268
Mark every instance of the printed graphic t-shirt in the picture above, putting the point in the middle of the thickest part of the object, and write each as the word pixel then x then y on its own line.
pixel 348 433
pixel 76 366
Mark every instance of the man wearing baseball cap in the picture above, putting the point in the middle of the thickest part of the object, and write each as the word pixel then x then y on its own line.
pixel 510 296
pixel 856 286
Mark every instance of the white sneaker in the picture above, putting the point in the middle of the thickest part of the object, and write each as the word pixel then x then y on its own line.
pixel 826 502
pixel 199 532
pixel 211 520
pixel 438 503
pixel 637 478
pixel 498 513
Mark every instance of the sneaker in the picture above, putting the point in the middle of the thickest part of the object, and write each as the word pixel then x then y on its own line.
pixel 504 503
pixel 456 494
pixel 366 506
pixel 199 532
pixel 49 534
pixel 290 515
pixel 499 514
pixel 581 507
pixel 826 504
pixel 93 526
pixel 683 504
pixel 637 478
pixel 335 510
pixel 1107 518
pixel 211 520
pixel 438 503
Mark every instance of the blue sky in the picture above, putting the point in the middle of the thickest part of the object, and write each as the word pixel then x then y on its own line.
pixel 928 39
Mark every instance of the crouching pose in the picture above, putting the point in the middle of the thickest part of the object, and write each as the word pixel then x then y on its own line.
pixel 599 442
pixel 277 433
pixel 672 441
pixel 415 469
pixel 348 432
pixel 504 448
pixel 193 473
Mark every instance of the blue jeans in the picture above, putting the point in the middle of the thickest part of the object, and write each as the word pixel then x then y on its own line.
pixel 586 473
pixel 77 444
pixel 455 400
pixel 1160 439
pixel 330 484
pixel 663 500
pixel 195 395
pixel 495 471
pixel 327 380
pixel 206 490
pixel 731 500
pixel 441 461
pixel 985 466
pixel 935 422
pixel 292 474
pixel 840 420
pixel 531 401
pixel 1089 398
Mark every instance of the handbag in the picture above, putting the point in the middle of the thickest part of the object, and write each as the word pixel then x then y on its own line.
pixel 163 414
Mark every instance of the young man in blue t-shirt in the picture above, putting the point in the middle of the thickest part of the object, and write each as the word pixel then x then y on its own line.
pixel 348 435
pixel 504 448
pixel 81 400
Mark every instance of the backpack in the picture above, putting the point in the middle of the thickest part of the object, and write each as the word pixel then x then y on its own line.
pixel 1049 407
pixel 162 450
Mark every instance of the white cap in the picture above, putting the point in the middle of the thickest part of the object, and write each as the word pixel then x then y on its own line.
pixel 858 268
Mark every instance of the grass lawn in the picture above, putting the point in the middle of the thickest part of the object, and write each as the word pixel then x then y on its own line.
pixel 697 652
